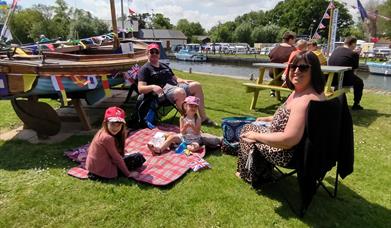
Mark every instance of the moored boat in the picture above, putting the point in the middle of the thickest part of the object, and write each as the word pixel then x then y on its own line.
pixel 380 68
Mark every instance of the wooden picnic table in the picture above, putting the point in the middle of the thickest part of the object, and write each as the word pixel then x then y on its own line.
pixel 329 72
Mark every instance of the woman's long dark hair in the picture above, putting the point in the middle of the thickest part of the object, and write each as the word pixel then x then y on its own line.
pixel 119 138
pixel 317 77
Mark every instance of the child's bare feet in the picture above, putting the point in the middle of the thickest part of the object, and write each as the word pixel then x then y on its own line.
pixel 154 149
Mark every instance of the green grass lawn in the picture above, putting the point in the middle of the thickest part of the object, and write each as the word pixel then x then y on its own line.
pixel 35 190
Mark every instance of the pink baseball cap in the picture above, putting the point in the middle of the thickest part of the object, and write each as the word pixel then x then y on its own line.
pixel 192 100
pixel 153 46
pixel 115 114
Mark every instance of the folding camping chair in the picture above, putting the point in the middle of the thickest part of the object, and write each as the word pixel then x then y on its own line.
pixel 164 105
pixel 318 151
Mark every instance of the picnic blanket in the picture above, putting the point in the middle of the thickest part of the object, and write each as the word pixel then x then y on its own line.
pixel 157 170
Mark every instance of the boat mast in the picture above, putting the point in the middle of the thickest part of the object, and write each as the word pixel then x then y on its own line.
pixel 114 23
pixel 122 19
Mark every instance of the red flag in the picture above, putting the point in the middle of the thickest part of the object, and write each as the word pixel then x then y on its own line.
pixel 375 39
pixel 131 12
pixel 326 16
pixel 331 6
pixel 321 26
pixel 50 47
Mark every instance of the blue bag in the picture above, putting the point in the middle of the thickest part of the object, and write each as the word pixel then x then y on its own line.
pixel 232 127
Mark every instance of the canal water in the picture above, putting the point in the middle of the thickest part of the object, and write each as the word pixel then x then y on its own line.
pixel 371 81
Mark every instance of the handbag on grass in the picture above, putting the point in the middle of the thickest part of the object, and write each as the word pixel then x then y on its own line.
pixel 232 127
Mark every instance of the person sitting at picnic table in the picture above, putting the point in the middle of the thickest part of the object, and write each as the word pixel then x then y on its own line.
pixel 280 54
pixel 346 56
pixel 262 147
pixel 106 151
pixel 301 45
pixel 158 78
pixel 313 46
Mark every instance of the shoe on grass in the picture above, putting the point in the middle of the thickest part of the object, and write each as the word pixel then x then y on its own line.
pixel 357 107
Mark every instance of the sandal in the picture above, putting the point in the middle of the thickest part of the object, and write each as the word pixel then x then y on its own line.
pixel 209 122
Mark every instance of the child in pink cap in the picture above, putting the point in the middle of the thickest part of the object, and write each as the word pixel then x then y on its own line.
pixel 106 151
pixel 190 129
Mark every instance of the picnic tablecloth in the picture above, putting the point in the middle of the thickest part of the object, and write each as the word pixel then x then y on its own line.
pixel 157 170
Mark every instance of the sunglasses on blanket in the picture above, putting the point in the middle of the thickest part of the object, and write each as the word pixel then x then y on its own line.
pixel 302 67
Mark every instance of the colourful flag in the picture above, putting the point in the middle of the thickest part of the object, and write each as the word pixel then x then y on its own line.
pixel 80 81
pixel 28 81
pixel 362 11
pixel 131 12
pixel 106 85
pixel 321 26
pixel 58 86
pixel 331 6
pixel 92 82
pixel 326 16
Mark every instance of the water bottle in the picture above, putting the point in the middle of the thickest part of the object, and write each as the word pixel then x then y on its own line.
pixel 181 148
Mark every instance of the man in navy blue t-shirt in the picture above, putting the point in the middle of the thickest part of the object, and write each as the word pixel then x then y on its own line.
pixel 158 78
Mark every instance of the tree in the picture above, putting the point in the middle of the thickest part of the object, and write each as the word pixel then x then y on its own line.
pixel 190 28
pixel 266 34
pixel 61 18
pixel 223 32
pixel 298 15
pixel 243 33
pixel 85 25
pixel 161 22
pixel 384 26
pixel 26 25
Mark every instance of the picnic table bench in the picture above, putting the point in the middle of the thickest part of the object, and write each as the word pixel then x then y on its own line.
pixel 329 72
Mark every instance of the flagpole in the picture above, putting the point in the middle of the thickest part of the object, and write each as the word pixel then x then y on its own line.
pixel 330 27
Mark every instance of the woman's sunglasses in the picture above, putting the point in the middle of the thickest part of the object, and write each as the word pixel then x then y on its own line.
pixel 153 52
pixel 302 67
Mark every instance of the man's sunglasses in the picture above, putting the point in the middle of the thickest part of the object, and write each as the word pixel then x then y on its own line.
pixel 154 52
pixel 302 67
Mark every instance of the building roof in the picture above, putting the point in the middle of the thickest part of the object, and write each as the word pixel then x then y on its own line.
pixel 161 34
pixel 201 38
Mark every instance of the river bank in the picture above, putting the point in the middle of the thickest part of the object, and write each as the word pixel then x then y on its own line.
pixel 228 59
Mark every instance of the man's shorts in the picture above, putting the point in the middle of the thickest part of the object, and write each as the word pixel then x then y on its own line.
pixel 169 90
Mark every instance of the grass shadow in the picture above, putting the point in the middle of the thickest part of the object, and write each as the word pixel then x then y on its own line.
pixel 366 117
pixel 325 211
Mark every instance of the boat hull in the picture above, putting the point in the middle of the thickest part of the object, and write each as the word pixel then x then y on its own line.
pixel 380 68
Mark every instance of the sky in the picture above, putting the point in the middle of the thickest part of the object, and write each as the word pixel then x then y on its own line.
pixel 207 12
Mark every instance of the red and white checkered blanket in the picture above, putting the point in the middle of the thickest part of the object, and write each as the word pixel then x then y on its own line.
pixel 157 170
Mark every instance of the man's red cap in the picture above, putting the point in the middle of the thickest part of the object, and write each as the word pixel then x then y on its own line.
pixel 153 46
pixel 115 114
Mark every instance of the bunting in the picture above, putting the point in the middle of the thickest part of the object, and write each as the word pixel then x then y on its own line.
pixel 331 6
pixel 58 86
pixel 321 26
pixel 80 81
pixel 131 74
pixel 106 85
pixel 3 5
pixel 28 81
pixel 131 12
pixel 326 16
pixel 92 82
pixel 362 11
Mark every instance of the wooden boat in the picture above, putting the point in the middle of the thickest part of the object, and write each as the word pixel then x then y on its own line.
pixel 380 68
pixel 63 76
